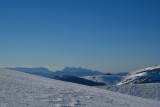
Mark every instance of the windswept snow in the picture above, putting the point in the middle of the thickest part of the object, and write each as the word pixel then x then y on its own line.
pixel 148 69
pixel 146 75
pixel 19 89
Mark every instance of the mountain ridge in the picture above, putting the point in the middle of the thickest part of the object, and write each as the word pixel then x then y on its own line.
pixel 145 75
pixel 41 71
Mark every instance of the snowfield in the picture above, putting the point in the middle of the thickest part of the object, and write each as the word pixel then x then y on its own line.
pixel 19 89
pixel 149 90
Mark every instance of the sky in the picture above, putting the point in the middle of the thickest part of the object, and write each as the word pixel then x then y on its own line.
pixel 104 35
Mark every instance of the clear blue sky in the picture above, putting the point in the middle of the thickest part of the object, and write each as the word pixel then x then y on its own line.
pixel 105 35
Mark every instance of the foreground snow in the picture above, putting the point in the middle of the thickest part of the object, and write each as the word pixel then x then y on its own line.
pixel 24 90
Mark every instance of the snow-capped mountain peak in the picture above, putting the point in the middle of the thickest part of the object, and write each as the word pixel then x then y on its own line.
pixel 148 69
pixel 146 75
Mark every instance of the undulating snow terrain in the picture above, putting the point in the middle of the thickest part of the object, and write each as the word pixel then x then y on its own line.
pixel 150 90
pixel 146 75
pixel 142 83
pixel 19 89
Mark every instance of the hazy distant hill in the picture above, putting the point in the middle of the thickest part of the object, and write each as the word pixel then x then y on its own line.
pixel 41 71
pixel 79 72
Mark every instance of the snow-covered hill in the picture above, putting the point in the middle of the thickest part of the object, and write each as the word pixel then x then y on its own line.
pixel 19 89
pixel 150 90
pixel 112 79
pixel 146 75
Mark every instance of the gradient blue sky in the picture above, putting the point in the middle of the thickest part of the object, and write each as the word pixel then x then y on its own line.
pixel 105 35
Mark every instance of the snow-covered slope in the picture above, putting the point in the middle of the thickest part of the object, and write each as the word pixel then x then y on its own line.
pixel 146 75
pixel 150 91
pixel 112 79
pixel 19 89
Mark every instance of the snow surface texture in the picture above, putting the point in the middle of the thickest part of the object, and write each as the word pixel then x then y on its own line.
pixel 19 89
pixel 150 90
pixel 146 75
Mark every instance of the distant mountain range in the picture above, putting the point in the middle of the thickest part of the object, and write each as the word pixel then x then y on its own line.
pixel 41 71
pixel 79 72
pixel 146 75
pixel 70 74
